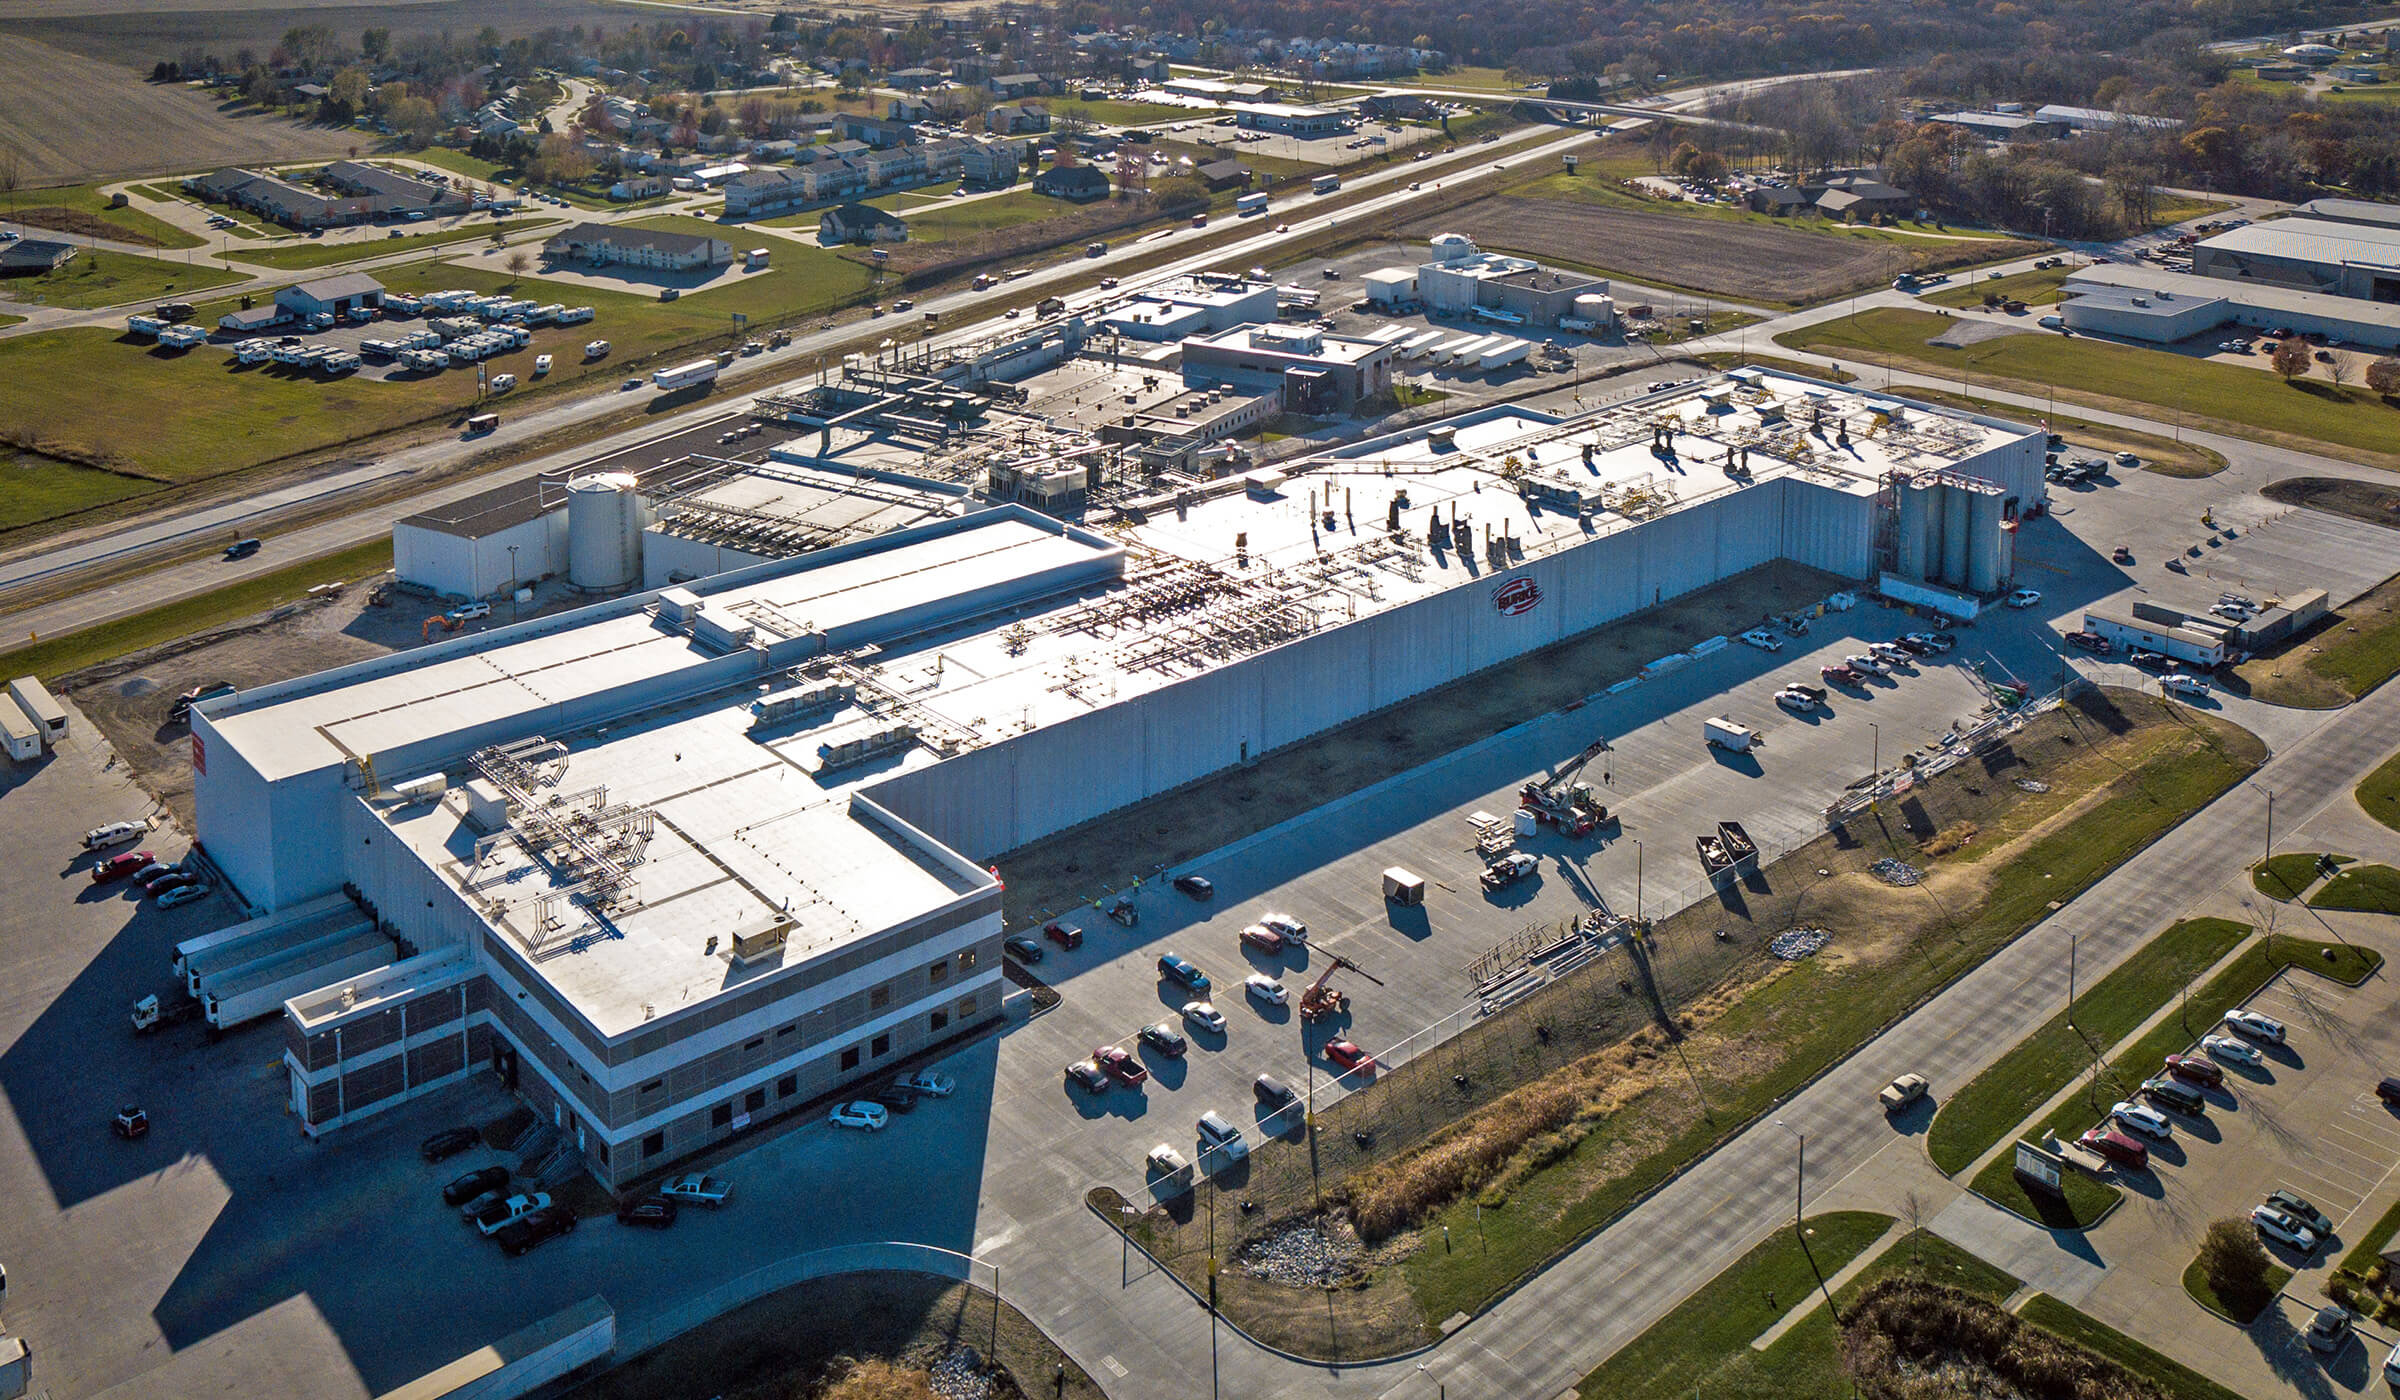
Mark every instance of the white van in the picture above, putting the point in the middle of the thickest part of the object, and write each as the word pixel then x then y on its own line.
pixel 100 838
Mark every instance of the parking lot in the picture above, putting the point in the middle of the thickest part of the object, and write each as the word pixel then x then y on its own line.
pixel 2305 1120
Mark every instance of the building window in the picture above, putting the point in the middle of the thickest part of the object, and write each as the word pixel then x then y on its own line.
pixel 966 1008
pixel 881 1045
pixel 782 1031
pixel 850 1058
pixel 939 972
pixel 966 959
pixel 653 1086
pixel 937 1020
pixel 601 1149
pixel 755 1043
pixel 755 1100
pixel 879 998
pixel 787 1086
pixel 720 1116
pixel 654 1144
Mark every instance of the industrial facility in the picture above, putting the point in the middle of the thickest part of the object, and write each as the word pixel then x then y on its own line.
pixel 1463 280
pixel 2338 256
pixel 2133 302
pixel 682 859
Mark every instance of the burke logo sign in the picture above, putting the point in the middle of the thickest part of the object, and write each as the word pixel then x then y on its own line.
pixel 1517 595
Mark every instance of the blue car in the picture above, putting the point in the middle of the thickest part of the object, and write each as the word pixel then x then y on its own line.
pixel 1183 971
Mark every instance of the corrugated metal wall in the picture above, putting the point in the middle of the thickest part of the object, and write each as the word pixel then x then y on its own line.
pixel 1007 794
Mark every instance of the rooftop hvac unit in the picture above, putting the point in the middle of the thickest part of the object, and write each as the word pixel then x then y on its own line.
pixel 795 704
pixel 852 752
pixel 424 789
pixel 723 636
pixel 679 605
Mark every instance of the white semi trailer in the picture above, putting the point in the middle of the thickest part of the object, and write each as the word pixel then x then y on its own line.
pixel 263 990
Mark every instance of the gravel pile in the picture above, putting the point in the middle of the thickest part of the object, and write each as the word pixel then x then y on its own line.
pixel 1793 944
pixel 1895 872
pixel 960 1376
pixel 1300 1255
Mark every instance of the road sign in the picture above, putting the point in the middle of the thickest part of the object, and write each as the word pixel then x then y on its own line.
pixel 2041 1168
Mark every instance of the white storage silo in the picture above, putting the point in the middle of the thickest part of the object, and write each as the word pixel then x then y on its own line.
pixel 1599 310
pixel 604 532
pixel 1956 532
pixel 1984 549
pixel 1908 533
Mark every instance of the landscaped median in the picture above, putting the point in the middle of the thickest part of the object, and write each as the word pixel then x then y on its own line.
pixel 1473 1164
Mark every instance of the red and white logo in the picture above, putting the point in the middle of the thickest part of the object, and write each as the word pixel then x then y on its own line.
pixel 1516 596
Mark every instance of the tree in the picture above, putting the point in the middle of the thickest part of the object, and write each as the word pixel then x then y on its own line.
pixel 2291 358
pixel 374 44
pixel 2235 1265
pixel 517 262
pixel 2340 371
pixel 2383 377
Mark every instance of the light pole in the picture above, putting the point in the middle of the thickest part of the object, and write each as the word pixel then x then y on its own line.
pixel 1441 1387
pixel 1875 749
pixel 1637 885
pixel 1800 1221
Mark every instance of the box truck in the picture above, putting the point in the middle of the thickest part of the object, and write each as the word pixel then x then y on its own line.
pixel 1401 887
pixel 685 376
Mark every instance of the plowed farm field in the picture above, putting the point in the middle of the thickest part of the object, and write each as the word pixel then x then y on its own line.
pixel 1768 264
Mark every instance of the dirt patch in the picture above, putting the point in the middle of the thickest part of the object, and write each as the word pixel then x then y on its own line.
pixel 801 1341
pixel 1960 334
pixel 80 224
pixel 2335 661
pixel 1076 867
pixel 2371 501
pixel 1746 261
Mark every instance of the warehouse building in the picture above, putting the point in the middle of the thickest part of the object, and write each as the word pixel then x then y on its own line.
pixel 332 296
pixel 1313 371
pixel 676 862
pixel 1519 291
pixel 2131 301
pixel 1200 304
pixel 1290 119
pixel 2346 259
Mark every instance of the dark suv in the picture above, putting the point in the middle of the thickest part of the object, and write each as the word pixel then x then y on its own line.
pixel 548 1223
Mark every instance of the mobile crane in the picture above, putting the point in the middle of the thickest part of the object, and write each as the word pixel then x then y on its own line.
pixel 1320 1001
pixel 1562 802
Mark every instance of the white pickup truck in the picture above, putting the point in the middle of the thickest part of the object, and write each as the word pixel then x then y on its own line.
pixel 697 1190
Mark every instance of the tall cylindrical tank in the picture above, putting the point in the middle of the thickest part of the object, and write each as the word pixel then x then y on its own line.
pixel 1908 529
pixel 1955 534
pixel 1984 546
pixel 1600 310
pixel 604 532
pixel 1936 498
pixel 1450 246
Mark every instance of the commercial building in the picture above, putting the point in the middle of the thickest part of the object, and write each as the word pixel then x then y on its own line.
pixel 677 861
pixel 1218 90
pixel 2348 259
pixel 1290 119
pixel 1080 183
pixel 1181 307
pixel 605 245
pixel 2132 301
pixel 2002 126
pixel 1313 371
pixel 2103 119
pixel 335 296
pixel 1461 278
pixel 2352 211
pixel 361 193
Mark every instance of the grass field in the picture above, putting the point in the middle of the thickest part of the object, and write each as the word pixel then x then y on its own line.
pixel 1679 1351
pixel 2165 1372
pixel 2286 875
pixel 34 488
pixel 2362 1255
pixel 301 256
pixel 85 206
pixel 2306 414
pixel 97 277
pixel 2379 794
pixel 2032 288
pixel 1113 113
pixel 475 167
pixel 960 218
pixel 1988 1108
pixel 68 652
pixel 2365 889
pixel 1465 78
pixel 2163 455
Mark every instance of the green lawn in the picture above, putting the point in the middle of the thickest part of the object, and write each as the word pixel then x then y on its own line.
pixel 1989 1107
pixel 2286 875
pixel 68 652
pixel 2366 889
pixel 97 277
pixel 2082 1203
pixel 2032 288
pixel 2165 1372
pixel 1805 1019
pixel 1464 79
pixel 961 218
pixel 320 253
pixel 39 489
pixel 129 222
pixel 1720 1320
pixel 2195 1282
pixel 1119 113
pixel 2310 410
pixel 2361 1256
pixel 2379 793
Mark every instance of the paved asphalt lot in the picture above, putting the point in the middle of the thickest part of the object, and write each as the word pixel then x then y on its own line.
pixel 2307 1120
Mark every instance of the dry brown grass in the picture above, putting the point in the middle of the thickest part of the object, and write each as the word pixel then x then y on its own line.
pixel 1909 1340
pixel 880 1380
pixel 1950 838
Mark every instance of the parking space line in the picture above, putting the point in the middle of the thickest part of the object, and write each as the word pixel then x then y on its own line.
pixel 2367 1146
pixel 2342 1199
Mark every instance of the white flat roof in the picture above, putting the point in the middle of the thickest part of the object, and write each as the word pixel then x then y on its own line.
pixel 2189 289
pixel 2315 240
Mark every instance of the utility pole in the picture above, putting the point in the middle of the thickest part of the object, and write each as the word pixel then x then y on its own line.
pixel 2070 981
pixel 1800 1220
pixel 1637 885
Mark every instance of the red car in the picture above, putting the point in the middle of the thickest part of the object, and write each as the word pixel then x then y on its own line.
pixel 1840 675
pixel 2092 642
pixel 2199 1069
pixel 1348 1055
pixel 1064 935
pixel 2118 1147
pixel 118 867
pixel 1121 1066
pixel 1264 939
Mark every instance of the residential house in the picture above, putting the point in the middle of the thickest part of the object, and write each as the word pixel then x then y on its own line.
pixel 604 245
pixel 908 109
pixel 905 166
pixel 1227 174
pixel 758 193
pixel 860 223
pixel 637 187
pixel 1009 119
pixel 31 257
pixel 1013 85
pixel 912 79
pixel 841 178
pixel 1076 182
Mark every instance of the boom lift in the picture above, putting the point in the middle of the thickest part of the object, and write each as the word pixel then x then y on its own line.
pixel 1320 1001
pixel 1560 801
